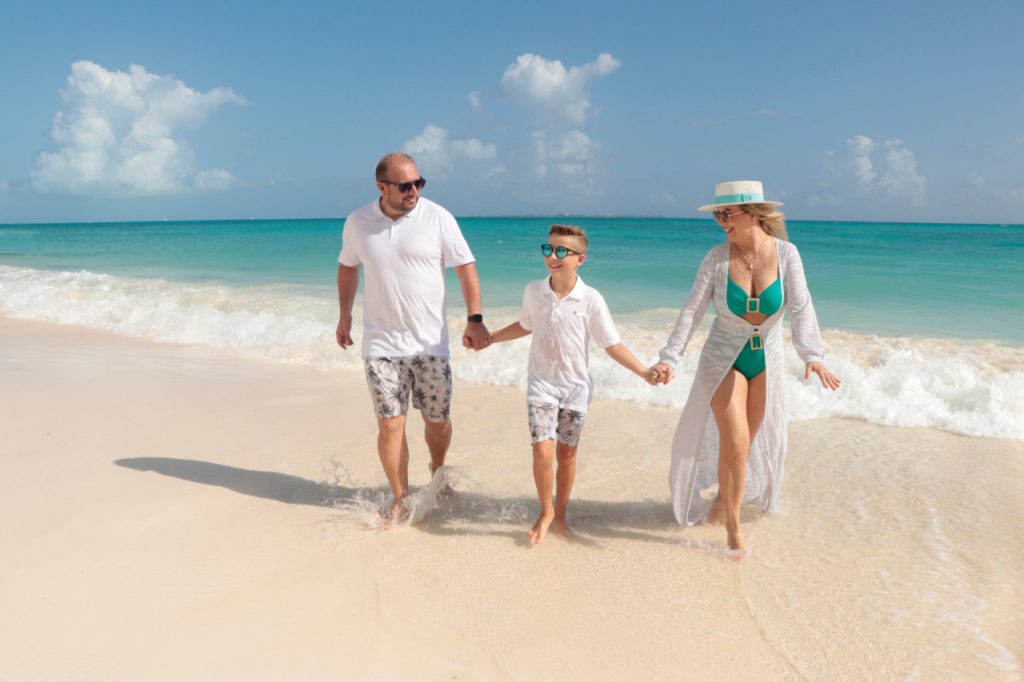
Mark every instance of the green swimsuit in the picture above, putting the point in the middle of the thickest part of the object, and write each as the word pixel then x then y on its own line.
pixel 750 362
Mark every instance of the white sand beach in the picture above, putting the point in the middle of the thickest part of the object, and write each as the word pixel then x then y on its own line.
pixel 177 513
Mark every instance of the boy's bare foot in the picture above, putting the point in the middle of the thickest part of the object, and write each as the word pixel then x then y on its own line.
pixel 540 529
pixel 562 529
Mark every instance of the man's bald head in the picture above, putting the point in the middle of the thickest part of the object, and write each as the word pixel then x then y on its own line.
pixel 392 159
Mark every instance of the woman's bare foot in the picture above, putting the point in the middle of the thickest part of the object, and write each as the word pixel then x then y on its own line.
pixel 540 529
pixel 737 546
pixel 715 514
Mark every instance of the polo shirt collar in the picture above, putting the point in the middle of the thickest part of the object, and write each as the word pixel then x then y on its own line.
pixel 379 213
pixel 576 293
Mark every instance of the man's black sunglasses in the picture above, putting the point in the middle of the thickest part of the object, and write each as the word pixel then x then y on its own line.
pixel 403 187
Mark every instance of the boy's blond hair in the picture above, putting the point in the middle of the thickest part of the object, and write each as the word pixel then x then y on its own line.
pixel 570 231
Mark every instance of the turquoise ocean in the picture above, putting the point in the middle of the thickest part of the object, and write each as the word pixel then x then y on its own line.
pixel 922 321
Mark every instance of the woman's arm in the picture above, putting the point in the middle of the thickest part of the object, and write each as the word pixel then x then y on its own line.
pixel 692 313
pixel 803 323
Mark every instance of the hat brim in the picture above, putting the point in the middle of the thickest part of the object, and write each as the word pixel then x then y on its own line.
pixel 714 207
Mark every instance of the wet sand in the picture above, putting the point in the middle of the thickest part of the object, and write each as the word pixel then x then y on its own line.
pixel 175 513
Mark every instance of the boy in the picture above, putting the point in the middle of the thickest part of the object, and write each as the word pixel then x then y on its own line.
pixel 563 314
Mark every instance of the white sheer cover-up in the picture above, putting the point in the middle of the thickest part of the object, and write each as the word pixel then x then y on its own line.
pixel 694 469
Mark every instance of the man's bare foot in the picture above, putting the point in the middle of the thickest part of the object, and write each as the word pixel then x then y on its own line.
pixel 396 514
pixel 446 490
pixel 715 514
pixel 562 529
pixel 540 529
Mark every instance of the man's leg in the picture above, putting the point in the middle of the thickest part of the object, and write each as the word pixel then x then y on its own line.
pixel 393 450
pixel 389 391
pixel 438 436
pixel 432 395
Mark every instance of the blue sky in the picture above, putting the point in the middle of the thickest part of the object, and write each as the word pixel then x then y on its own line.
pixel 905 111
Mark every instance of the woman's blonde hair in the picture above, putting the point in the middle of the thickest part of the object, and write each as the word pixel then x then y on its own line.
pixel 772 220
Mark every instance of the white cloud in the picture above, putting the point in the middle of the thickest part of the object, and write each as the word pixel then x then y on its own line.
pixel 214 180
pixel 898 178
pixel 901 179
pixel 118 134
pixel 474 149
pixel 860 148
pixel 475 102
pixel 434 153
pixel 975 178
pixel 570 156
pixel 551 92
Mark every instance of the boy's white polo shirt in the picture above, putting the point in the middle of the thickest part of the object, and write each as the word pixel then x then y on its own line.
pixel 404 260
pixel 562 330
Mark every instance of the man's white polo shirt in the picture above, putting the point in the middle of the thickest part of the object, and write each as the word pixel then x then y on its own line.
pixel 404 260
pixel 562 330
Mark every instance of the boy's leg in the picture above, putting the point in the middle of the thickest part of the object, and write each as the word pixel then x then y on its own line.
pixel 570 426
pixel 544 478
pixel 566 455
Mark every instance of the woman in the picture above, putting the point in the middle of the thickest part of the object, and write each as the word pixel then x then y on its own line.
pixel 733 428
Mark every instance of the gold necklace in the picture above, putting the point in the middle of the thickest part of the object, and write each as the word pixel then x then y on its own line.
pixel 753 261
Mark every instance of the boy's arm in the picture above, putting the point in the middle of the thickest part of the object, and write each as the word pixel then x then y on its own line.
pixel 622 355
pixel 513 331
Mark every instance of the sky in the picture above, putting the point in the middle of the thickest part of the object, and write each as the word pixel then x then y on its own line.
pixel 895 111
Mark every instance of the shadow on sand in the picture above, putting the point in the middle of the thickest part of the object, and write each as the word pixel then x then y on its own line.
pixel 464 513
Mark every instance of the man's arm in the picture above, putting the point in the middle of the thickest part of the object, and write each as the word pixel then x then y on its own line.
pixel 476 335
pixel 348 282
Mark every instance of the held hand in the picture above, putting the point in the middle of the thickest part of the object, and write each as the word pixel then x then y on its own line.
pixel 344 332
pixel 828 379
pixel 476 336
pixel 659 374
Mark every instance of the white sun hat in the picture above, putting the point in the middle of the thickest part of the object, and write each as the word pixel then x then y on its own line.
pixel 738 192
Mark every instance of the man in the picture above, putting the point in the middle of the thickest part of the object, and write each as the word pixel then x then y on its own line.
pixel 404 243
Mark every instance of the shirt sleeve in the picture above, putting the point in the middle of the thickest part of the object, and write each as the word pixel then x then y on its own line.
pixel 454 247
pixel 602 327
pixel 526 314
pixel 692 313
pixel 349 255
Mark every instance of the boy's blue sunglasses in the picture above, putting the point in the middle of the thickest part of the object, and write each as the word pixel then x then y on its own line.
pixel 559 251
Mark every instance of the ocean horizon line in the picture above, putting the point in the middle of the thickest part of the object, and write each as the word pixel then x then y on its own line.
pixel 515 216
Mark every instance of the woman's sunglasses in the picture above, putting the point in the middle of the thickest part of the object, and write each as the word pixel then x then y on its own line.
pixel 559 251
pixel 724 216
pixel 403 187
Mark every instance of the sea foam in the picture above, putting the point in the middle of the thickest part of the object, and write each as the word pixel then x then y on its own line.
pixel 970 388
